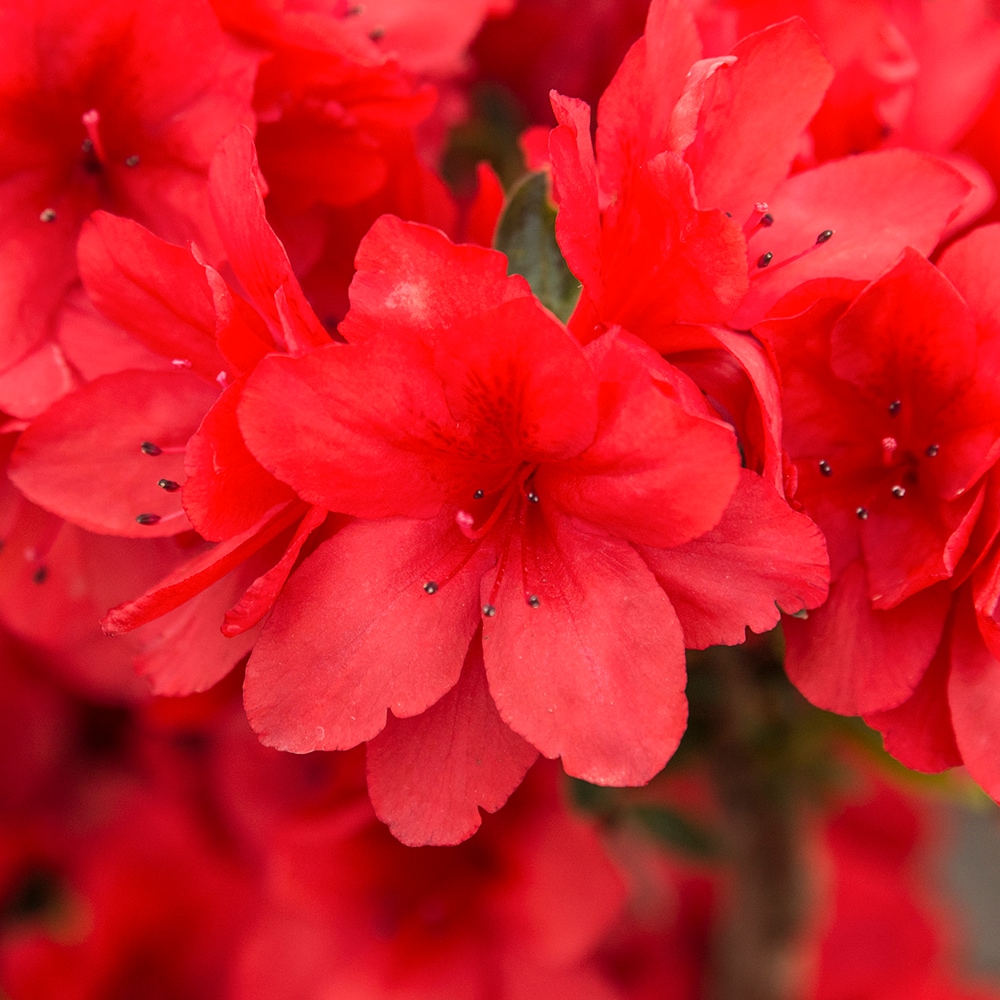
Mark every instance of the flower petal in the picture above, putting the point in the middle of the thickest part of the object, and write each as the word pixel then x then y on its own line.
pixel 656 473
pixel 637 110
pixel 256 254
pixel 854 660
pixel 82 459
pixel 354 634
pixel 595 673
pixel 919 733
pixel 227 490
pixel 157 291
pixel 761 559
pixel 747 137
pixel 875 203
pixel 412 280
pixel 364 430
pixel 429 775
pixel 974 696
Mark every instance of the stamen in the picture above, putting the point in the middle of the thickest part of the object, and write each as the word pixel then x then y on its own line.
pixel 899 491
pixel 861 513
pixel 824 468
pixel 759 217
pixel 431 587
pixel 489 610
pixel 151 519
pixel 478 495
pixel 533 601
pixel 533 497
pixel 47 215
pixel 169 485
pixel 91 120
pixel 465 520
pixel 895 406
pixel 932 450
pixel 40 575
pixel 148 448
pixel 766 258
pixel 132 161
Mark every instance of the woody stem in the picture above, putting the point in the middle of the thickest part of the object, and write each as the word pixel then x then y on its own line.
pixel 763 934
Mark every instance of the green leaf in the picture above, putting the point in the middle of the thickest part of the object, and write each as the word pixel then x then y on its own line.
pixel 526 233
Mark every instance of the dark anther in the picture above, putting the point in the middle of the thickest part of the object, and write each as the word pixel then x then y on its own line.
pixel 533 601
pixel 764 259
pixel 377 34
pixel 87 146
pixel 861 513
pixel 47 215
pixel 932 450
pixel 132 161
pixel 533 496
pixel 489 610
pixel 824 236
pixel 729 215
pixel 767 219
pixel 169 485
pixel 431 587
pixel 824 468
pixel 899 491
pixel 478 495
pixel 895 406
pixel 40 575
pixel 148 448
pixel 148 518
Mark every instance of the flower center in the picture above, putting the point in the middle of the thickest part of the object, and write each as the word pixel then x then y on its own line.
pixel 508 514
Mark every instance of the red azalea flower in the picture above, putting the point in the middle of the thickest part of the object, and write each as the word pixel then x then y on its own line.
pixel 892 418
pixel 473 437
pixel 330 105
pixel 114 106
pixel 502 478
pixel 952 715
pixel 688 214
pixel 145 454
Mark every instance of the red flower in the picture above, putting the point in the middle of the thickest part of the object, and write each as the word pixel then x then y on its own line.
pixel 893 419
pixel 503 479
pixel 689 215
pixel 110 105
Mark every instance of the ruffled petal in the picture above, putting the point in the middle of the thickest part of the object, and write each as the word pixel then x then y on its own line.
pixel 851 659
pixel 595 672
pixel 875 204
pixel 83 458
pixel 355 633
pixel 761 559
pixel 429 775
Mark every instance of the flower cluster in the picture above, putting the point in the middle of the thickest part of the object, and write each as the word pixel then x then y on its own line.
pixel 461 473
